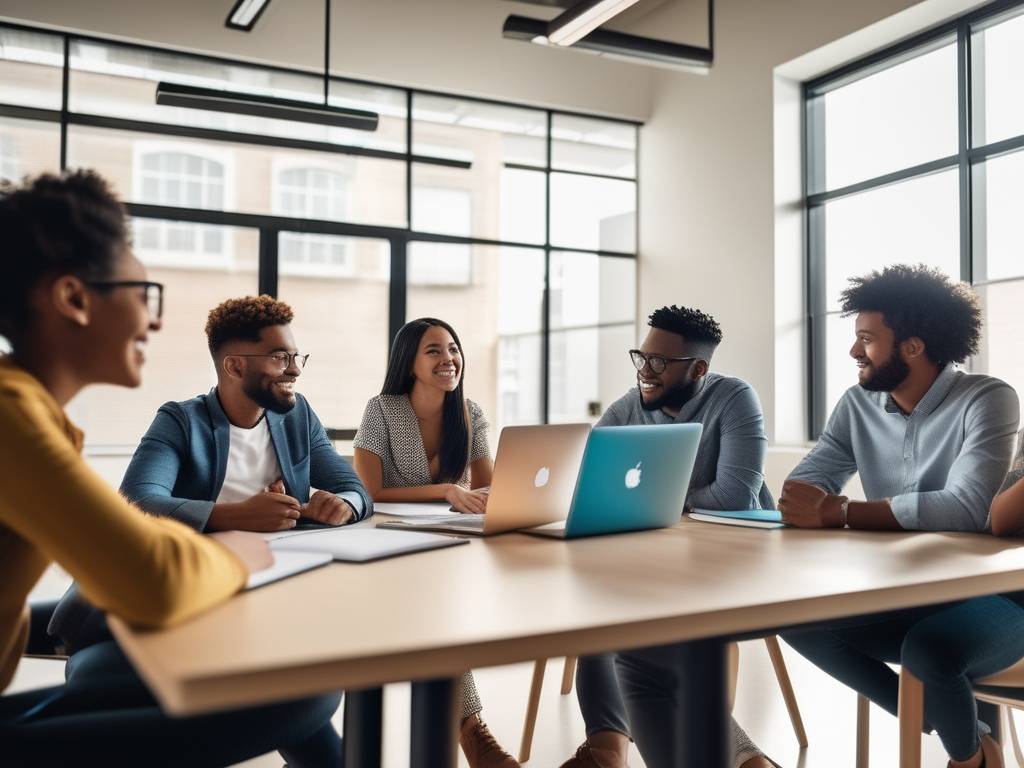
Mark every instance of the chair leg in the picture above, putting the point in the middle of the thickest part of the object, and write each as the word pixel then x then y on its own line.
pixel 863 731
pixel 1012 728
pixel 911 715
pixel 568 674
pixel 788 695
pixel 532 705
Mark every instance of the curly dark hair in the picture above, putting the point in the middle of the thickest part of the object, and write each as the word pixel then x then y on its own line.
pixel 54 225
pixel 924 302
pixel 700 330
pixel 243 319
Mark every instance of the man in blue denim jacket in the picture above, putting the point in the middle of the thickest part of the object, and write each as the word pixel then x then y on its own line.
pixel 245 456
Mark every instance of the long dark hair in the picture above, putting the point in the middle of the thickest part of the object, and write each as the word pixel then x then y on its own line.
pixel 399 380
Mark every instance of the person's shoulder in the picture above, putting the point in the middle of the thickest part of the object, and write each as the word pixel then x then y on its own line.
pixel 475 411
pixel 980 388
pixel 725 385
pixel 623 410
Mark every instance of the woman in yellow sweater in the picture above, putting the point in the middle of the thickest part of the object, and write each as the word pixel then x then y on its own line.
pixel 76 309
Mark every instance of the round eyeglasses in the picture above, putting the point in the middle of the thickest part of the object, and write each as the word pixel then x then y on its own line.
pixel 656 363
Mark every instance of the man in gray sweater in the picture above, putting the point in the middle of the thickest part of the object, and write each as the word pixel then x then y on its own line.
pixel 674 386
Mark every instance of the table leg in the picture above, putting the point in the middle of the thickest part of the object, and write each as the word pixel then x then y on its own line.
pixel 364 724
pixel 434 734
pixel 704 710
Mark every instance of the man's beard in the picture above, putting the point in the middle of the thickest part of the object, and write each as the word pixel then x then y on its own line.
pixel 888 376
pixel 262 394
pixel 675 396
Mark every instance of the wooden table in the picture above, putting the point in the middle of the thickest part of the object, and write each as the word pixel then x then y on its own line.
pixel 514 598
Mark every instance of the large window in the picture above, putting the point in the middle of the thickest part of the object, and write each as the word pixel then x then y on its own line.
pixel 514 223
pixel 916 155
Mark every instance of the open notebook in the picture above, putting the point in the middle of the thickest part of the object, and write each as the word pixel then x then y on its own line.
pixel 287 564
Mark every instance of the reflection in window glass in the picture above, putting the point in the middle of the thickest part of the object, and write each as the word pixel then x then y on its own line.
pixel 312 193
pixel 28 148
pixel 593 213
pixel 178 364
pixel 342 322
pixel 498 319
pixel 31 68
pixel 120 81
pixel 916 221
pixel 448 211
pixel 998 53
pixel 590 369
pixel 591 290
pixel 376 187
pixel 840 368
pixel 590 145
pixel 893 119
pixel 1002 342
pixel 998 224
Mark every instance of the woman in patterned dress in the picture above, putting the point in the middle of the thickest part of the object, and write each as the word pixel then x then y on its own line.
pixel 1007 512
pixel 421 439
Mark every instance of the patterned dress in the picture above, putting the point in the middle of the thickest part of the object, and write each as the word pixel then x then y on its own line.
pixel 390 431
pixel 1017 467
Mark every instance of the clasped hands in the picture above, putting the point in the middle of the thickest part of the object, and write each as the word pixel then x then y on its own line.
pixel 273 510
pixel 807 506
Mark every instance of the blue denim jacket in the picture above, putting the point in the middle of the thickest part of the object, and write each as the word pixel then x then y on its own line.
pixel 178 469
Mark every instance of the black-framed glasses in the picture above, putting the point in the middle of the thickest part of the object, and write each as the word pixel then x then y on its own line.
pixel 283 360
pixel 657 363
pixel 153 292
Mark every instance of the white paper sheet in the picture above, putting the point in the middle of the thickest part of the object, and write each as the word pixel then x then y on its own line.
pixel 423 509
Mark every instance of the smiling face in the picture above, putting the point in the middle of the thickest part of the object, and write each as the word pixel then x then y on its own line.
pixel 263 380
pixel 881 366
pixel 118 327
pixel 438 362
pixel 673 385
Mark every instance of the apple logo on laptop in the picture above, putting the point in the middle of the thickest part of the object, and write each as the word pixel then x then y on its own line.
pixel 633 476
pixel 541 478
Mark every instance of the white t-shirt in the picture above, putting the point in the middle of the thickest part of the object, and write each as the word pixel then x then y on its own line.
pixel 252 464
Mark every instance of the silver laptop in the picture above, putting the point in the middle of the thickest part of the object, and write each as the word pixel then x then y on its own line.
pixel 534 479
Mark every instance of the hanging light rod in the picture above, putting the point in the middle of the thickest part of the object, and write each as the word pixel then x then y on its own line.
pixel 617 45
pixel 245 14
pixel 214 100
pixel 581 19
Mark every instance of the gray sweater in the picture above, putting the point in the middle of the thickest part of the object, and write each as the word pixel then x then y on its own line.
pixel 729 471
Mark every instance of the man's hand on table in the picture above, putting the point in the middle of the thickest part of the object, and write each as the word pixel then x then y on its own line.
pixel 807 506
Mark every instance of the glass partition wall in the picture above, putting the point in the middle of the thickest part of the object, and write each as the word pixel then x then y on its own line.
pixel 515 224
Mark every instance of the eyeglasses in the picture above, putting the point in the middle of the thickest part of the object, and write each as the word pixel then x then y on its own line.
pixel 152 292
pixel 283 360
pixel 657 363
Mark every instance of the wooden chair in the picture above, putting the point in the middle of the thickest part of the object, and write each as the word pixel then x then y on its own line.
pixel 568 672
pixel 1000 689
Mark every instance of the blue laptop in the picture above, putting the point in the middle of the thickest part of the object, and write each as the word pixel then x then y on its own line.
pixel 632 478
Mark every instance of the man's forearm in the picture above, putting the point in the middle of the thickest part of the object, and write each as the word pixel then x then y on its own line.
pixel 872 516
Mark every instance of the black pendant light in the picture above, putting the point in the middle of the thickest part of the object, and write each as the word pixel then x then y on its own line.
pixel 216 100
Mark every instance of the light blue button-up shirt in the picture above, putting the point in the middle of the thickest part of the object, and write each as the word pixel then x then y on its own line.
pixel 939 466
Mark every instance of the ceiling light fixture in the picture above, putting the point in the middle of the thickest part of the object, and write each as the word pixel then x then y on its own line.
pixel 583 18
pixel 213 99
pixel 245 14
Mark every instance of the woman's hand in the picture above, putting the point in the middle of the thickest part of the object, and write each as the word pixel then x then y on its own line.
pixel 467 502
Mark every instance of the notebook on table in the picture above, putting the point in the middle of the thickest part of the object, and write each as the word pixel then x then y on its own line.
pixel 286 564
pixel 363 544
pixel 748 518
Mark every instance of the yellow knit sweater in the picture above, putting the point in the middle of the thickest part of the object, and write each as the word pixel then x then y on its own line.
pixel 149 571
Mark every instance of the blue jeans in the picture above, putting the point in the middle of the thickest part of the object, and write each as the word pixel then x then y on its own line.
pixel 947 647
pixel 105 715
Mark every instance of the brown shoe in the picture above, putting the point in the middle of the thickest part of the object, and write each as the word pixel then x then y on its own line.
pixel 482 750
pixel 589 757
pixel 991 752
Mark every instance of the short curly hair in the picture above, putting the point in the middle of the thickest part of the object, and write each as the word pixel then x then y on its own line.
pixel 243 319
pixel 920 301
pixel 70 223
pixel 701 331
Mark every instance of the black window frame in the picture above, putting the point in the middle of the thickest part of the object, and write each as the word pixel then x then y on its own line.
pixel 815 195
pixel 270 226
